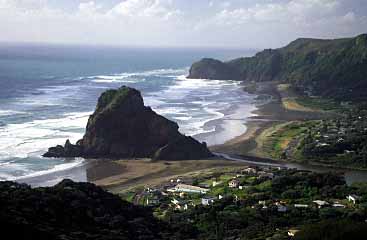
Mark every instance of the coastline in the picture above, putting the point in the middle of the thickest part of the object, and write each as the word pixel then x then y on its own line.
pixel 269 115
pixel 121 175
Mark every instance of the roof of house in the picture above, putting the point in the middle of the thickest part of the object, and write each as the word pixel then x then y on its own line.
pixel 320 202
pixel 190 187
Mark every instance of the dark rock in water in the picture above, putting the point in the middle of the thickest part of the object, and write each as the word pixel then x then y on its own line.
pixel 68 150
pixel 72 211
pixel 182 149
pixel 122 127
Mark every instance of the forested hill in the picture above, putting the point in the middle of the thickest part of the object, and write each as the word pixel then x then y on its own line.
pixel 331 68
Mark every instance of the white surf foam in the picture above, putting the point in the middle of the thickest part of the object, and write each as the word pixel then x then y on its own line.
pixel 57 168
pixel 33 138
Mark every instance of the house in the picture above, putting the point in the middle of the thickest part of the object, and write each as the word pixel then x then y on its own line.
pixel 249 170
pixel 300 205
pixel 187 189
pixel 338 205
pixel 152 201
pixel 234 183
pixel 281 207
pixel 216 183
pixel 179 205
pixel 320 203
pixel 353 198
pixel 207 200
pixel 263 203
pixel 292 232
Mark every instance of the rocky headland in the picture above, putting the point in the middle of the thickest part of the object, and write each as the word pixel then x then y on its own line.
pixel 328 68
pixel 122 127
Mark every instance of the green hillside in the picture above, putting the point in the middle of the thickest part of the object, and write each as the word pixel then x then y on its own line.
pixel 330 68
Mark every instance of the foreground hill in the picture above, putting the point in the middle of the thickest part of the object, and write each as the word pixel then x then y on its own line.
pixel 122 127
pixel 328 68
pixel 70 211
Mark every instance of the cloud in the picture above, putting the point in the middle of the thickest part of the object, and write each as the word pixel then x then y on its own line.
pixel 146 8
pixel 89 8
pixel 261 23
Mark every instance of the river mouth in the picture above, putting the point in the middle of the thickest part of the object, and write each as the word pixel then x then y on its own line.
pixel 351 176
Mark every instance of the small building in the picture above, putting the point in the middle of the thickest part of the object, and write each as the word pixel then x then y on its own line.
pixel 320 203
pixel 187 189
pixel 338 205
pixel 249 170
pixel 353 198
pixel 207 200
pixel 281 207
pixel 263 203
pixel 152 201
pixel 179 205
pixel 293 232
pixel 300 205
pixel 216 183
pixel 234 183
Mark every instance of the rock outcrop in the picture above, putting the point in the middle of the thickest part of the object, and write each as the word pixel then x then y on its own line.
pixel 72 211
pixel 209 68
pixel 122 127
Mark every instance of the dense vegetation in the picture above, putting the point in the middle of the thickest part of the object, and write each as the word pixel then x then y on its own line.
pixel 266 210
pixel 338 141
pixel 332 68
pixel 72 211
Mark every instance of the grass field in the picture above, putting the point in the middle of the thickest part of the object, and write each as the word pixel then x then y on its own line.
pixel 279 137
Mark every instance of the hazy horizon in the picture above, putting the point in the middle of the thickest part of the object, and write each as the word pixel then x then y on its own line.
pixel 179 24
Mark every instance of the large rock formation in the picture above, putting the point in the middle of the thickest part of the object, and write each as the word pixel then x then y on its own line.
pixel 122 127
pixel 72 211
pixel 331 68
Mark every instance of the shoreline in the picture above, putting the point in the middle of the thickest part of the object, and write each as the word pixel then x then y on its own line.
pixel 121 175
pixel 268 115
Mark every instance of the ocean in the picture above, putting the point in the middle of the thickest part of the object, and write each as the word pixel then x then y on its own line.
pixel 47 93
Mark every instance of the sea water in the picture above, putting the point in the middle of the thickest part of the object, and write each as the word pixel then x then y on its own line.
pixel 47 93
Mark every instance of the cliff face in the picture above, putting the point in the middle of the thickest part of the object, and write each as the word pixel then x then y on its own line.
pixel 71 211
pixel 122 127
pixel 332 68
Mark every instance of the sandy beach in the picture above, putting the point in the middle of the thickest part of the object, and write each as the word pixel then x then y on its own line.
pixel 267 115
pixel 122 175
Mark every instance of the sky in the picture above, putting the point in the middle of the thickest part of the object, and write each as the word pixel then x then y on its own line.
pixel 180 23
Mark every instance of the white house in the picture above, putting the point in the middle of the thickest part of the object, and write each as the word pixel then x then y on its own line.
pixel 179 205
pixel 187 189
pixel 152 201
pixel 207 200
pixel 292 232
pixel 338 205
pixel 300 205
pixel 353 198
pixel 249 170
pixel 216 183
pixel 320 203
